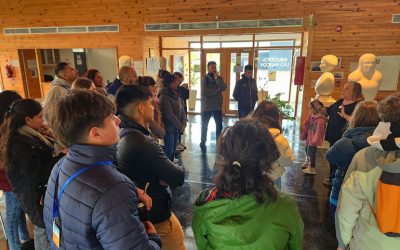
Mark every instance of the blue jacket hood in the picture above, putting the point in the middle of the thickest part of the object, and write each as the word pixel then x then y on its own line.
pixel 359 136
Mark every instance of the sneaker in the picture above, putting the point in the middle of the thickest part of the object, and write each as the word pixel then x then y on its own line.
pixel 309 170
pixel 327 183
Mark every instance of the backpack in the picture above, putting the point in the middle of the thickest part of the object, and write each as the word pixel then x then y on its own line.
pixel 387 211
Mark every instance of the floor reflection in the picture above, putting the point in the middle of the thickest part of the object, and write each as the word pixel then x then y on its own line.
pixel 308 191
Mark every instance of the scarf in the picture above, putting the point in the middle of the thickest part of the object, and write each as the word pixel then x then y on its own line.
pixel 48 140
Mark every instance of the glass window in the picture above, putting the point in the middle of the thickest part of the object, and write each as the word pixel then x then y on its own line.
pixel 228 38
pixel 275 43
pixel 237 44
pixel 211 45
pixel 274 69
pixel 195 45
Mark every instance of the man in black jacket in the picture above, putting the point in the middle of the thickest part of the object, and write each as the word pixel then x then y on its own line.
pixel 143 160
pixel 245 92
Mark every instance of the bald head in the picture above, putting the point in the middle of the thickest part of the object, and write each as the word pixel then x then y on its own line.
pixel 127 75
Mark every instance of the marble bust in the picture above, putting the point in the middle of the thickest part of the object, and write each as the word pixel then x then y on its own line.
pixel 367 75
pixel 326 82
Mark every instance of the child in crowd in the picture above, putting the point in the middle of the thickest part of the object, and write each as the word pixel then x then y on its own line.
pixel 314 132
pixel 268 113
pixel 15 226
pixel 29 152
pixel 363 122
pixel 83 83
pixel 243 210
pixel 88 203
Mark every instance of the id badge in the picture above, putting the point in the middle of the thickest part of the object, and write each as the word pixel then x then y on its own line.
pixel 56 234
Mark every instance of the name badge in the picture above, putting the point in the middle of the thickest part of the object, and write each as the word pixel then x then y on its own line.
pixel 56 234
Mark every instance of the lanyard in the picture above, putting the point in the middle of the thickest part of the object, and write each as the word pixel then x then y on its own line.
pixel 56 199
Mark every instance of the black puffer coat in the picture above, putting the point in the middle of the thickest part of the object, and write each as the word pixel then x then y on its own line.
pixel 143 160
pixel 31 162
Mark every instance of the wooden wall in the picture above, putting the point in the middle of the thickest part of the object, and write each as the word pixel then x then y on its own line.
pixel 366 26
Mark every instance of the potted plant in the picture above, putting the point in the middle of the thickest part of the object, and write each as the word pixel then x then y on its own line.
pixel 284 107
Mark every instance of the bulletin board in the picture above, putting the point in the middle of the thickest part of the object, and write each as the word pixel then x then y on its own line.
pixel 389 66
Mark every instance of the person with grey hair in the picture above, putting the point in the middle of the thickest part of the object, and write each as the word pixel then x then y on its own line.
pixel 126 76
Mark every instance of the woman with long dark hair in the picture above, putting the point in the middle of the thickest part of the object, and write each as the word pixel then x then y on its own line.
pixel 243 210
pixel 268 113
pixel 15 225
pixel 28 150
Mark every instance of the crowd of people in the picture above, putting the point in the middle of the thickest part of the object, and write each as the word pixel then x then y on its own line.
pixel 94 168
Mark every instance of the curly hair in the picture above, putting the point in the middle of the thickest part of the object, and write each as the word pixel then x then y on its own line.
pixel 245 162
pixel 389 108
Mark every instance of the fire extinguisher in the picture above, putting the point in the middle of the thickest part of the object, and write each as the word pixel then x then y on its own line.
pixel 9 71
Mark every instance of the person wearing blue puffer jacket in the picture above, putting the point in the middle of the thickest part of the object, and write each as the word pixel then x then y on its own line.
pixel 364 120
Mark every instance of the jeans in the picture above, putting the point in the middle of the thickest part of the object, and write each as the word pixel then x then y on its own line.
pixel 312 154
pixel 170 142
pixel 205 119
pixel 15 225
pixel 41 241
pixel 171 234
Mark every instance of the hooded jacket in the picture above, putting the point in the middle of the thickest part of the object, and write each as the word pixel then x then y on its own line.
pixel 211 93
pixel 286 156
pixel 314 130
pixel 59 88
pixel 356 225
pixel 244 224
pixel 172 112
pixel 245 93
pixel 341 154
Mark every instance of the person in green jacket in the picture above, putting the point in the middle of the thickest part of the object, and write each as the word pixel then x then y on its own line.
pixel 243 210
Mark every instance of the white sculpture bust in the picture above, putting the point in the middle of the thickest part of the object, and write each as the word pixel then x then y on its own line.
pixel 367 75
pixel 326 82
pixel 125 61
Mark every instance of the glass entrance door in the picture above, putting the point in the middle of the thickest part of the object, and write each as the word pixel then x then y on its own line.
pixel 230 66
pixel 238 60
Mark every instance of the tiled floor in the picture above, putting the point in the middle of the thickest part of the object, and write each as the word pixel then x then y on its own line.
pixel 308 191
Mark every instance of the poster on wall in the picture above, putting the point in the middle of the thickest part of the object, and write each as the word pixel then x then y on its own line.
pixel 138 66
pixel 389 66
pixel 152 65
pixel 315 66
